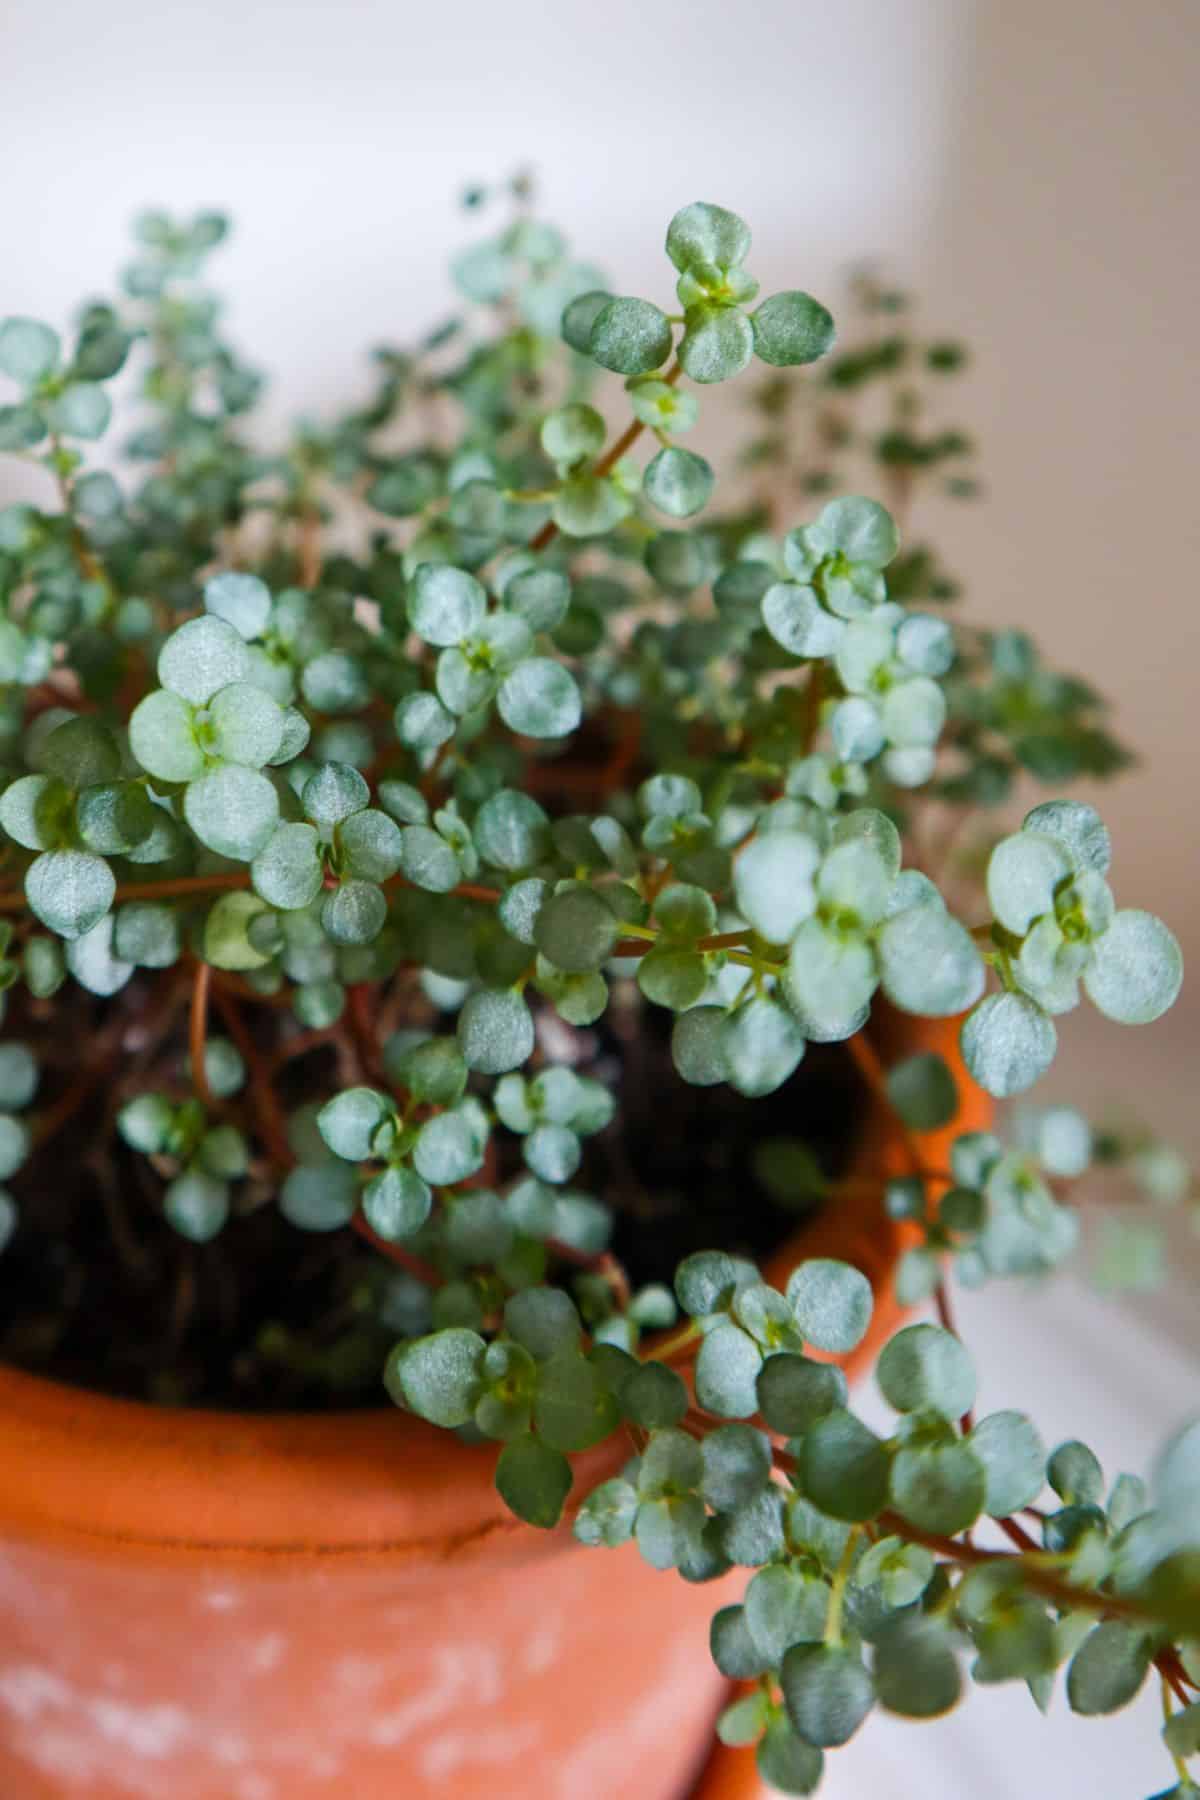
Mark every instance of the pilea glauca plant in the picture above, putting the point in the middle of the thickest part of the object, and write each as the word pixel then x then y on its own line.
pixel 387 818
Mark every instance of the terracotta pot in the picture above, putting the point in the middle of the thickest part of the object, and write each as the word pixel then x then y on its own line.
pixel 219 1607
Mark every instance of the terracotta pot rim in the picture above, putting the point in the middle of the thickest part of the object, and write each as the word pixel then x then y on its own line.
pixel 128 1477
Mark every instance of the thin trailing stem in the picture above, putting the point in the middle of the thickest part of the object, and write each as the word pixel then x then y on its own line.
pixel 609 460
pixel 197 1031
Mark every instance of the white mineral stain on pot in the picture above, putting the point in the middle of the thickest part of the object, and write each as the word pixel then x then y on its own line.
pixel 494 1745
pixel 221 1599
pixel 460 1675
pixel 268 1653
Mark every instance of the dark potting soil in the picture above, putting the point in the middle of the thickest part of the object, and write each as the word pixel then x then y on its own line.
pixel 97 1290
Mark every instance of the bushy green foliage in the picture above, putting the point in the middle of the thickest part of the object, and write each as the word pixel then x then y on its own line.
pixel 278 730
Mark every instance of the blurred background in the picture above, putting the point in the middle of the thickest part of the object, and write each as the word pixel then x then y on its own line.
pixel 1029 168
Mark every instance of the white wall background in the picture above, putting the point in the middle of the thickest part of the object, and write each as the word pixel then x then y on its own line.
pixel 341 134
pixel 1031 164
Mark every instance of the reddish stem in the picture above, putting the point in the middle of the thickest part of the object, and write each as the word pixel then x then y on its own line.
pixel 197 1032
pixel 270 1117
pixel 608 461
pixel 404 1259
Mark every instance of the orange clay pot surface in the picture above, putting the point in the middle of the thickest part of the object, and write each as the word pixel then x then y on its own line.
pixel 207 1606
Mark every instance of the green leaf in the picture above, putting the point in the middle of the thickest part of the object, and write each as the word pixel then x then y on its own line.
pixel 607 1515
pixel 762 1046
pixel 925 1368
pixel 245 724
pixel 1007 1043
pixel 1013 1458
pixel 655 1397
pixel 93 962
pixel 669 1530
pixel 774 883
pixel 396 1203
pixel 196 1205
pixel 113 818
pixel 861 529
pixel 511 831
pixel 786 1762
pixel 827 1691
pixel 243 601
pixel 227 940
pixel 794 1391
pixel 573 1408
pixel 370 845
pixel 707 1281
pixel 495 1031
pixel 82 410
pixel 678 482
pixel 703 233
pixel 433 1071
pixel 922 1090
pixel 576 930
pixel 354 913
pixel 791 328
pixel 1136 970
pixel 533 1480
pixel 1074 1473
pixel 232 810
pixel 15 1144
pixel 831 1303
pixel 1023 872
pixel 1108 1669
pixel 673 978
pixel 631 337
pixel 552 1152
pixel 428 860
pixel 543 1320
pixel 844 1467
pixel 733 1649
pixel 1181 1733
pixel 147 933
pixel 938 1487
pixel 451 1146
pixel 28 350
pixel 201 657
pixel 785 1606
pixel 928 964
pixel 572 434
pixel 333 794
pixel 539 699
pixel 540 597
pixel 319 1196
pixel 579 316
pixel 901 1571
pixel 445 605
pixel 348 1123
pixel 82 753
pixel 438 1376
pixel 717 343
pixel 727 1369
pixel 18 1076
pixel 162 737
pixel 1078 828
pixel 69 891
pixel 21 427
pixel 737 1463
pixel 35 811
pixel 743 1721
pixel 916 1671
pixel 698 1046
pixel 831 978
pixel 422 722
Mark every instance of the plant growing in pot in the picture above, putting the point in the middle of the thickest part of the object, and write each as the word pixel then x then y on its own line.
pixel 480 919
